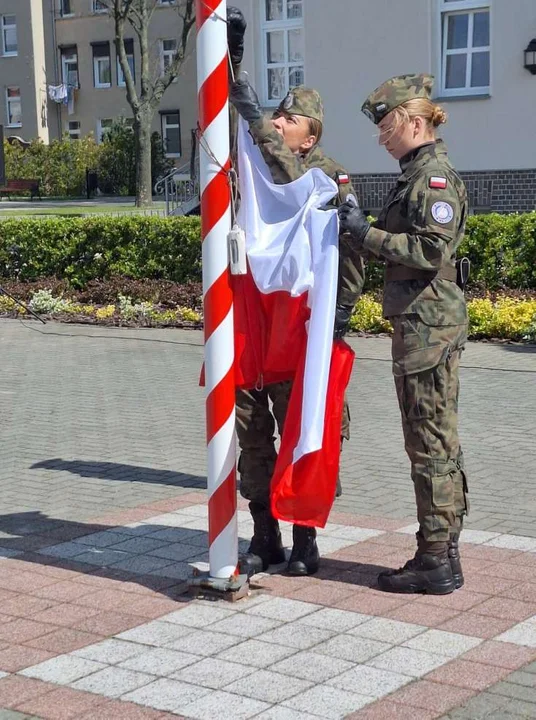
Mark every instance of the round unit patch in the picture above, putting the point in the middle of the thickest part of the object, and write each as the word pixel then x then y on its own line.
pixel 442 212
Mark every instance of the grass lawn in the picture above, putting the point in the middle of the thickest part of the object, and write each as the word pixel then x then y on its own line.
pixel 74 209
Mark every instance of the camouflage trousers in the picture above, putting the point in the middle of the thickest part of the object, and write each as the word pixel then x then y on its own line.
pixel 427 386
pixel 256 425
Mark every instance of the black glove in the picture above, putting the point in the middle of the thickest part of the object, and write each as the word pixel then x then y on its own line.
pixel 343 313
pixel 236 28
pixel 245 100
pixel 353 220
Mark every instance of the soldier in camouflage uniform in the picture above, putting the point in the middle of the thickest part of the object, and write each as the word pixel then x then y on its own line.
pixel 288 141
pixel 417 233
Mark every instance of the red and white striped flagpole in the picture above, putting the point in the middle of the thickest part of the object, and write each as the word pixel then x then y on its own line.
pixel 214 156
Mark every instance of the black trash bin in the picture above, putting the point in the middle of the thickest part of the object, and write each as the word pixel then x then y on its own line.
pixel 92 182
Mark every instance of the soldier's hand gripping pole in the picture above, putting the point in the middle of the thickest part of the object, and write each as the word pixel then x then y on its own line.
pixel 21 304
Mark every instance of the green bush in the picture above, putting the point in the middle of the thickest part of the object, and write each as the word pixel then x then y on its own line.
pixel 99 247
pixel 60 167
pixel 502 250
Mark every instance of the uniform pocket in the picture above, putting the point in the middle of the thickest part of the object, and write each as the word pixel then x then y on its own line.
pixel 443 484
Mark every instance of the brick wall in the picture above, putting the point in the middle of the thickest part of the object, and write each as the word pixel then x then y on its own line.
pixel 489 191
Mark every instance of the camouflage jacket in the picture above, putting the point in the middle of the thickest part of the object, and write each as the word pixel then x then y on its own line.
pixel 420 227
pixel 285 167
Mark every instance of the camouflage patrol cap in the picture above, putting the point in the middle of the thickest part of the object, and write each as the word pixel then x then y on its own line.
pixel 303 101
pixel 394 92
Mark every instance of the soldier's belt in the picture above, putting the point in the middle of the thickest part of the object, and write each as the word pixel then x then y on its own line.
pixel 403 272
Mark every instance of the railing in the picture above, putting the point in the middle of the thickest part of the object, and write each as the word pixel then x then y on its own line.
pixel 180 190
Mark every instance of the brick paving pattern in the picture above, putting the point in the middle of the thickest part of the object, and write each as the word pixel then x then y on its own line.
pixel 103 518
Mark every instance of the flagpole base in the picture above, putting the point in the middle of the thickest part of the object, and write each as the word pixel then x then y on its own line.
pixel 231 589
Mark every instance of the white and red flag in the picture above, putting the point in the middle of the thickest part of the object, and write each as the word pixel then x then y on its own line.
pixel 284 311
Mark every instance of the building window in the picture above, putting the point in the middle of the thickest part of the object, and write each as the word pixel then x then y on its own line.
pixel 282 48
pixel 98 6
pixel 73 129
pixel 9 35
pixel 168 48
pixel 103 124
pixel 102 66
pixel 14 107
pixel 65 8
pixel 129 49
pixel 171 133
pixel 69 66
pixel 465 47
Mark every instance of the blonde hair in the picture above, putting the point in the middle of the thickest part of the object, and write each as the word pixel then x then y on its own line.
pixel 433 114
pixel 315 128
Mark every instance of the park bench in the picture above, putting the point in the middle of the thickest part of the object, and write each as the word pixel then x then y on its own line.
pixel 16 186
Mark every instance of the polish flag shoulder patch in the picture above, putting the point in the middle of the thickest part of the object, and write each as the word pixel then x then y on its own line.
pixel 437 182
pixel 343 178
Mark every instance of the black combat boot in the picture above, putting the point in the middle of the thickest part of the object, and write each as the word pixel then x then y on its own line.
pixel 455 562
pixel 425 573
pixel 266 547
pixel 305 558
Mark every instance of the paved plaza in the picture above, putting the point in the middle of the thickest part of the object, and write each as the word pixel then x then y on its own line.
pixel 103 518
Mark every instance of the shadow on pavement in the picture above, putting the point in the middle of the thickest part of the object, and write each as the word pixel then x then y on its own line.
pixel 156 555
pixel 520 349
pixel 122 472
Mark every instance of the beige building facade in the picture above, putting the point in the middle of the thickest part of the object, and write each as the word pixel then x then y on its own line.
pixel 59 72
pixel 344 48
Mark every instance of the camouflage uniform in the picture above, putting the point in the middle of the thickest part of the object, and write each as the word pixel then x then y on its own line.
pixel 255 422
pixel 417 235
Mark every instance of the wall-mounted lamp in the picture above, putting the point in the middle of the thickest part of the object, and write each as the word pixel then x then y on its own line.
pixel 530 56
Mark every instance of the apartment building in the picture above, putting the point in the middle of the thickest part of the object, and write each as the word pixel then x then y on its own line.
pixel 59 72
pixel 482 53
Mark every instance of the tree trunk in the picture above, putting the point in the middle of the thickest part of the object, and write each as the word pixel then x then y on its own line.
pixel 144 190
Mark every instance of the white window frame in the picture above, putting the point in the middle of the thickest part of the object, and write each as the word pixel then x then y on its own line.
pixel 101 129
pixel 9 101
pixel 97 60
pixel 164 115
pixel 66 61
pixel 120 77
pixel 69 14
pixel 166 53
pixel 461 7
pixel 97 8
pixel 5 27
pixel 73 133
pixel 274 25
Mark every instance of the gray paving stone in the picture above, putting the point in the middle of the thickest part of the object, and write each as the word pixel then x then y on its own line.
pixel 159 661
pixel 112 682
pixel 385 630
pixel 111 651
pixel 353 649
pixel 244 625
pixel 63 669
pixel 312 666
pixel 523 678
pixel 479 707
pixel 204 642
pixel 513 690
pixel 524 633
pixel 256 653
pixel 328 702
pixel 197 615
pixel 279 712
pixel 155 633
pixel 333 619
pixel 297 635
pixel 283 609
pixel 370 681
pixel 439 642
pixel 268 686
pixel 223 704
pixel 166 694
pixel 214 673
pixel 408 661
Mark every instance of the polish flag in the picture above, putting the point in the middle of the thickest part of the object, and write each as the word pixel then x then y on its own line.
pixel 284 311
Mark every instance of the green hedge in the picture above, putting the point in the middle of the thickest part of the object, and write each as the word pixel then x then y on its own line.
pixel 502 249
pixel 100 247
